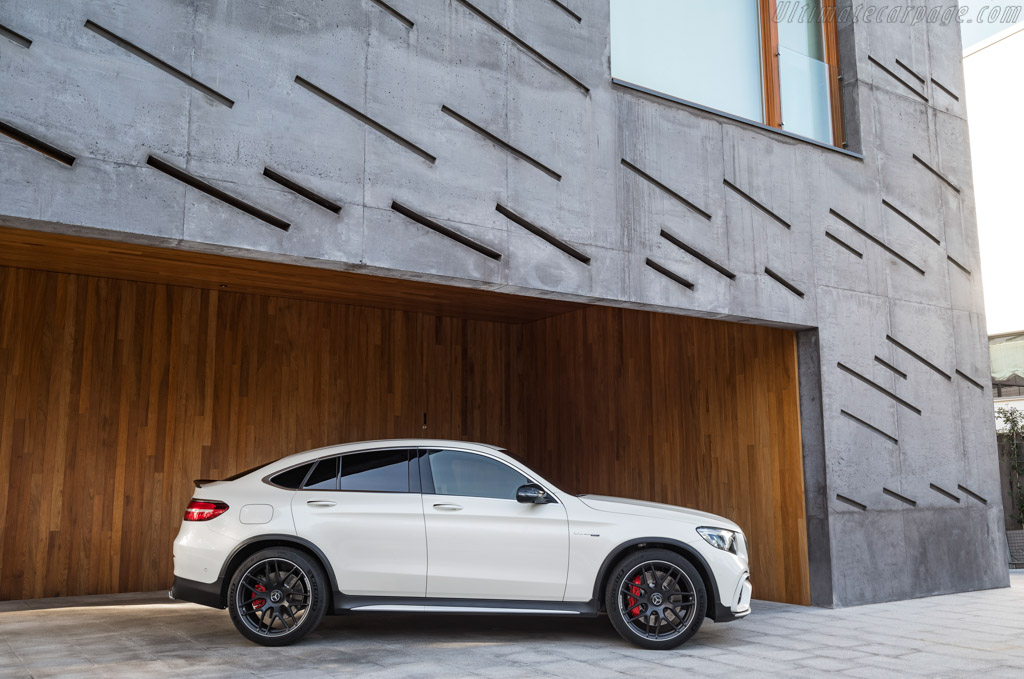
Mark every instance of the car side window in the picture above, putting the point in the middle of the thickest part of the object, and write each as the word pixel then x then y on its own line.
pixel 324 475
pixel 292 478
pixel 380 471
pixel 456 472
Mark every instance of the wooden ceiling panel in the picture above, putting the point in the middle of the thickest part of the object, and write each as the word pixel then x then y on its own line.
pixel 65 253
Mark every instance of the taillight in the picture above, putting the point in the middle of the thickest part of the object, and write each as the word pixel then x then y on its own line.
pixel 204 510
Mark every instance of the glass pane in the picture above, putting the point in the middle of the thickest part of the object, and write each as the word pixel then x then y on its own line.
pixel 803 73
pixel 806 107
pixel 292 478
pixel 704 51
pixel 466 474
pixel 800 30
pixel 379 471
pixel 324 475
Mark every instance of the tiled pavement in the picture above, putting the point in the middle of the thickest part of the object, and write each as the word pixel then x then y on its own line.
pixel 961 635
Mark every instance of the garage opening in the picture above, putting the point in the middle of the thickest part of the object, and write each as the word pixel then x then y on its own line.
pixel 128 370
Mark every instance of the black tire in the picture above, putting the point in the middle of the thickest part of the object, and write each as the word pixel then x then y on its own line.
pixel 296 598
pixel 655 599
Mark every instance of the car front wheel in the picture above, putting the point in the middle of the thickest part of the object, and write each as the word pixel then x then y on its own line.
pixel 277 596
pixel 656 599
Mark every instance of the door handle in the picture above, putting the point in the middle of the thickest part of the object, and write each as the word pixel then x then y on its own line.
pixel 321 503
pixel 447 507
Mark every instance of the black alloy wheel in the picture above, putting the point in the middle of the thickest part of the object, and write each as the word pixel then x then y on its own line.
pixel 656 599
pixel 277 596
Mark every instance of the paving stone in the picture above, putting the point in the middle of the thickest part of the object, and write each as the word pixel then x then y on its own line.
pixel 773 653
pixel 834 640
pixel 943 662
pixel 882 649
pixel 792 643
pixel 1003 672
pixel 868 673
pixel 893 666
pixel 961 635
pixel 575 668
pixel 840 653
pixel 753 664
pixel 826 664
pixel 507 671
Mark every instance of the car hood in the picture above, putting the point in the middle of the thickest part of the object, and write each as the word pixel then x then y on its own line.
pixel 655 510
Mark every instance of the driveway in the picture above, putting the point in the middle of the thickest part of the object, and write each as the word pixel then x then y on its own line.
pixel 960 635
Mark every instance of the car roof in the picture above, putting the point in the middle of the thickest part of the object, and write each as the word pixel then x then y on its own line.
pixel 381 445
pixel 415 443
pixel 391 444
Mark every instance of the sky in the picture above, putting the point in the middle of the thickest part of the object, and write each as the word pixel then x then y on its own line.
pixel 974 31
pixel 994 102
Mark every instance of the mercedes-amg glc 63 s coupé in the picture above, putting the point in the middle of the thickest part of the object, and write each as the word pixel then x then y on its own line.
pixel 445 526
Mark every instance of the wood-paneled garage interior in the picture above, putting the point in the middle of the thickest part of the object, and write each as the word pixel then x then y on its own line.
pixel 115 394
pixel 674 409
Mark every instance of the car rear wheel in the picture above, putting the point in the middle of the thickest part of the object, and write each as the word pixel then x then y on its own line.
pixel 277 596
pixel 656 599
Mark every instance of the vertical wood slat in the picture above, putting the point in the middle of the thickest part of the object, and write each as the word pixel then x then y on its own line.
pixel 770 63
pixel 693 412
pixel 115 394
pixel 835 83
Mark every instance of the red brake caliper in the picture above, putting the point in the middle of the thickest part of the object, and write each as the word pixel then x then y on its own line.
pixel 635 591
pixel 257 604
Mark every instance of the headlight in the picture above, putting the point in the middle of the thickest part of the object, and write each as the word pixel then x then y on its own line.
pixel 719 537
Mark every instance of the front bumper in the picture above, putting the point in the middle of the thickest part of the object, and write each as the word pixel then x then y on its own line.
pixel 739 603
pixel 741 607
pixel 204 593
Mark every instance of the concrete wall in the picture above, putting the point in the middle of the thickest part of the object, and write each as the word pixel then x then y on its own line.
pixel 539 82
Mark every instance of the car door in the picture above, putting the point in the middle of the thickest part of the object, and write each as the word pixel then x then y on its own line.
pixel 481 542
pixel 363 511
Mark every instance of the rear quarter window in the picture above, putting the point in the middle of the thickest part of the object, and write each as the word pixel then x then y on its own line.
pixel 324 475
pixel 292 478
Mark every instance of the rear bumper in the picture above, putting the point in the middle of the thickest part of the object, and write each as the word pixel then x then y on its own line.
pixel 204 593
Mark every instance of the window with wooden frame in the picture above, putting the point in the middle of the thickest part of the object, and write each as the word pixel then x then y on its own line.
pixel 774 62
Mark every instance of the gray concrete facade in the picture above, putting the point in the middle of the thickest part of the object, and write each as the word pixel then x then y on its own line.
pixel 450 108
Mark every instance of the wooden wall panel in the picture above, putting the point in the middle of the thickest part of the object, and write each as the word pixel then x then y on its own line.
pixel 673 409
pixel 114 395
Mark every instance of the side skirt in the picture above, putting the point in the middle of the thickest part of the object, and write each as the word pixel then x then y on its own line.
pixel 346 603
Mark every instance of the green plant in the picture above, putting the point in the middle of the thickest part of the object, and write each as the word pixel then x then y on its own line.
pixel 1013 430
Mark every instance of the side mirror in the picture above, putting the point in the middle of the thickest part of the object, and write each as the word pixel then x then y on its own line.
pixel 531 493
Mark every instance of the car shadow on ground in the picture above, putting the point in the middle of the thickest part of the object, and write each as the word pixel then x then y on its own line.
pixel 499 628
pixel 494 630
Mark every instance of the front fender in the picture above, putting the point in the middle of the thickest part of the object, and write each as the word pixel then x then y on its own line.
pixel 716 610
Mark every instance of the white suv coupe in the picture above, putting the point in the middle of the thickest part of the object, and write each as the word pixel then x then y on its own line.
pixel 444 526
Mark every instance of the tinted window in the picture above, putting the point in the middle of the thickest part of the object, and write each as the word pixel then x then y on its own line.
pixel 324 475
pixel 292 478
pixel 382 471
pixel 468 474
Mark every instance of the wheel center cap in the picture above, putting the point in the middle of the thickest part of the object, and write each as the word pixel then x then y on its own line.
pixel 656 599
pixel 275 596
